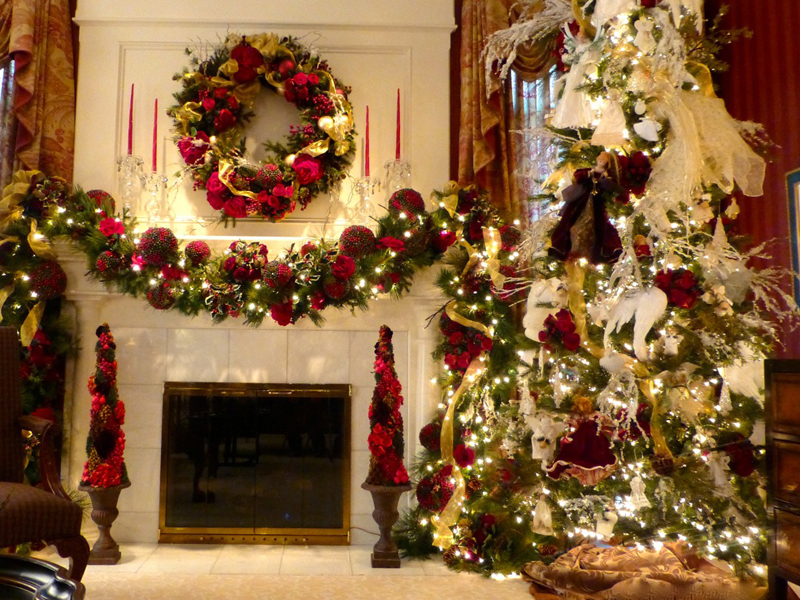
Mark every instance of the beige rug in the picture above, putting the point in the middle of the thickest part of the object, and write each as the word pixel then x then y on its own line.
pixel 167 586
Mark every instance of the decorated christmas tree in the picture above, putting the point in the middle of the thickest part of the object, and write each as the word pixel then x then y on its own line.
pixel 105 444
pixel 628 407
pixel 385 421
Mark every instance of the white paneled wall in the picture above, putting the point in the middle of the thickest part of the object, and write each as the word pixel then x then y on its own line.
pixel 375 46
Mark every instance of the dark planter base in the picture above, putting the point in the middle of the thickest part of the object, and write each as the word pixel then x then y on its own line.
pixel 104 512
pixel 385 499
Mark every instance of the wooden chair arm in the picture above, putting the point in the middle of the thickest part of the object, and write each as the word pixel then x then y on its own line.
pixel 48 468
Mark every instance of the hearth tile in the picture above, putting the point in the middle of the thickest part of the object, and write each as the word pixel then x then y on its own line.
pixel 243 559
pixel 258 356
pixel 360 562
pixel 319 357
pixel 133 557
pixel 359 417
pixel 141 355
pixel 182 558
pixel 316 560
pixel 197 355
pixel 144 470
pixel 135 527
pixel 143 415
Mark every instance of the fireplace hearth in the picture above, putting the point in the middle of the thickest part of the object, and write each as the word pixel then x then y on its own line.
pixel 255 463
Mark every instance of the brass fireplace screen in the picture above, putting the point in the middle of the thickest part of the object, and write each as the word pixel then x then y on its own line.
pixel 255 463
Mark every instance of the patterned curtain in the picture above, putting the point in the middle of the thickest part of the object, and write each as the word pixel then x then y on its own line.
pixel 37 35
pixel 487 148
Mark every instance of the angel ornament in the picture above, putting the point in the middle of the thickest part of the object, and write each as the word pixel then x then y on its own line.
pixel 543 439
pixel 638 498
pixel 644 39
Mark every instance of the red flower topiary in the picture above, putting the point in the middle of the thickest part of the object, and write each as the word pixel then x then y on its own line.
pixel 386 423
pixel 105 466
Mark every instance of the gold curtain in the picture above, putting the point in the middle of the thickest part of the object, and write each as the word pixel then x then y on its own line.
pixel 37 35
pixel 487 148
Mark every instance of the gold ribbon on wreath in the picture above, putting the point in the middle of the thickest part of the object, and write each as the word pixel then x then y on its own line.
pixel 226 169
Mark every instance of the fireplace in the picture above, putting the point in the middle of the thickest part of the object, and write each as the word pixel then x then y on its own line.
pixel 255 463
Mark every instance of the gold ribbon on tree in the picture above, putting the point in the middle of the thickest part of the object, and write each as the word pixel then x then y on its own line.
pixel 493 244
pixel 443 537
pixel 577 305
pixel 659 441
pixel 31 324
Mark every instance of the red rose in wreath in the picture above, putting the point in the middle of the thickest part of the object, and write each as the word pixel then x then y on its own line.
pixel 193 149
pixel 308 169
pixel 215 191
pixel 248 59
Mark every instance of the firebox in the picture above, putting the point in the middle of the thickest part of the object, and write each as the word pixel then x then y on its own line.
pixel 255 464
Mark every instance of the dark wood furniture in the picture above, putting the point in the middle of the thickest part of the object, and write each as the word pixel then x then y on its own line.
pixel 28 578
pixel 33 514
pixel 783 460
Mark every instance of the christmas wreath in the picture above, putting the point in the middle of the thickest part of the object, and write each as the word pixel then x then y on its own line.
pixel 216 103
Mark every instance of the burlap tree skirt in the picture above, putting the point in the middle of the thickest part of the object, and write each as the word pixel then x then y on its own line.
pixel 671 573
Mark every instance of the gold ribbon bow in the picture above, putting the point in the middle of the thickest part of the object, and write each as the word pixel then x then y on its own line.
pixel 13 194
pixel 226 169
pixel 38 243
pixel 186 115
pixel 449 199
pixel 337 128
pixel 266 43
pixel 703 76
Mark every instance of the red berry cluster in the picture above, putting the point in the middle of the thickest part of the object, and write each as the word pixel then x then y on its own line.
pixel 435 491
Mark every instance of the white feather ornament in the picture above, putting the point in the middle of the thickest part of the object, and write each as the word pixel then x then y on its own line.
pixel 646 307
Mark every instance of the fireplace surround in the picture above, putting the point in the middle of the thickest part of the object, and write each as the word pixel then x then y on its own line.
pixel 255 463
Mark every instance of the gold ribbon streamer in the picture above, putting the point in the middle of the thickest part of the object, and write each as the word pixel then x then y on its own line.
pixel 317 148
pixel 450 197
pixel 443 538
pixel 38 243
pixel 226 168
pixel 266 43
pixel 4 294
pixel 702 74
pixel 31 324
pixel 577 305
pixel 585 23
pixel 493 244
pixel 659 441
pixel 450 310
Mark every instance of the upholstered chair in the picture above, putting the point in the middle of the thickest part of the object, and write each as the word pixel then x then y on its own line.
pixel 27 513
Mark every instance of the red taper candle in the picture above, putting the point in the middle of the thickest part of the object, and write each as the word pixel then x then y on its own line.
pixel 397 138
pixel 130 125
pixel 155 136
pixel 366 151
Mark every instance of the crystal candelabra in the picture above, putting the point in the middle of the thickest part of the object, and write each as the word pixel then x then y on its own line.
pixel 154 184
pixel 398 175
pixel 129 168
pixel 365 188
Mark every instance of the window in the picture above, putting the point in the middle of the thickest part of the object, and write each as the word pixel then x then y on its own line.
pixel 533 101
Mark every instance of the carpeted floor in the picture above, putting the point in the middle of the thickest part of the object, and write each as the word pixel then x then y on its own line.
pixel 165 586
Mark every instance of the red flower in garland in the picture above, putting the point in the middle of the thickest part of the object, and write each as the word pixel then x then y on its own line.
pixel 343 267
pixel 680 286
pixel 282 313
pixel 224 120
pixel 391 243
pixel 561 328
pixel 109 227
pixel 193 149
pixel 464 456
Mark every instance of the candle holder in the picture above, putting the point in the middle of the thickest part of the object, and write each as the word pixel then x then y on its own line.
pixel 398 175
pixel 153 184
pixel 363 206
pixel 129 180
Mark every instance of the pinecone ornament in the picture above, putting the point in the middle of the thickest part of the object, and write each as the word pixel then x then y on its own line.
pixel 357 241
pixel 157 246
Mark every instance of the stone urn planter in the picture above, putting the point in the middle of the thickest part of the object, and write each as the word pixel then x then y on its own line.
pixel 104 512
pixel 385 499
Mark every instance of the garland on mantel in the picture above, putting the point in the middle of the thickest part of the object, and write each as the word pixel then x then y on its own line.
pixel 247 280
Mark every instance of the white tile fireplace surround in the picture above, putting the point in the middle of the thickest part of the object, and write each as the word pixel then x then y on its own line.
pixel 154 347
